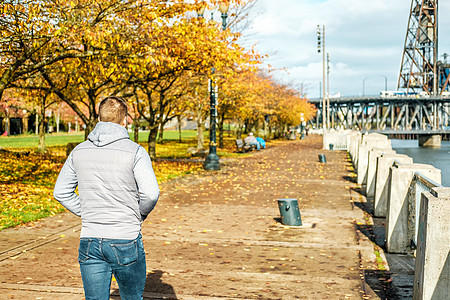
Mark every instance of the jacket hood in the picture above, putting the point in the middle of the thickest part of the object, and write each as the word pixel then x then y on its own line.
pixel 106 133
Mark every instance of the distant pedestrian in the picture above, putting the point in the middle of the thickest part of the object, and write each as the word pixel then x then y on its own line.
pixel 252 141
pixel 117 190
pixel 261 141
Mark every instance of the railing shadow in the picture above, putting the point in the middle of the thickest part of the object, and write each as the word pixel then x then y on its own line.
pixel 397 282
pixel 349 178
pixel 365 206
pixel 155 288
pixel 380 282
pixel 375 232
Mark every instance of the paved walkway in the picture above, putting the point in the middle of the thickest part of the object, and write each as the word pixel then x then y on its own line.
pixel 217 235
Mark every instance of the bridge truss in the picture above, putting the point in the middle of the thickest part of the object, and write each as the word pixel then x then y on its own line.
pixel 399 115
pixel 420 69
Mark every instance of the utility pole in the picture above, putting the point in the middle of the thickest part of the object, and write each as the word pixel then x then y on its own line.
pixel 328 90
pixel 321 48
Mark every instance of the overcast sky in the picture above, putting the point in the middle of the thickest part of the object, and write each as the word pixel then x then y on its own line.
pixel 365 39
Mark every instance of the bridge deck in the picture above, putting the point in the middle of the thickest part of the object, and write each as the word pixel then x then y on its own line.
pixel 372 99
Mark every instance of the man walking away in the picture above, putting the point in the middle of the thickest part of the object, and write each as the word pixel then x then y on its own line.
pixel 117 190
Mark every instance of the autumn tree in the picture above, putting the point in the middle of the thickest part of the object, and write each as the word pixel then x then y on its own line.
pixel 32 35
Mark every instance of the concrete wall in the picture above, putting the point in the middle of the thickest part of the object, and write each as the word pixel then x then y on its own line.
pixel 432 269
pixel 397 207
pixel 384 164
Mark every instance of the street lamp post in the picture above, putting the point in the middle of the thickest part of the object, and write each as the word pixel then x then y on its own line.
pixel 321 47
pixel 364 84
pixel 211 162
pixel 385 82
pixel 328 89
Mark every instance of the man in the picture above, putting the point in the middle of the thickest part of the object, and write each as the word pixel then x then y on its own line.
pixel 117 190
pixel 261 141
pixel 251 140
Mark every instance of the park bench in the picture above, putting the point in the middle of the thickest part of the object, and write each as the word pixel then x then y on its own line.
pixel 243 147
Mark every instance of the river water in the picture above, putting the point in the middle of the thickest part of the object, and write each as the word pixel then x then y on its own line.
pixel 438 157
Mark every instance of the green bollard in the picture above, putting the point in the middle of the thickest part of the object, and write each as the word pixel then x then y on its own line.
pixel 322 158
pixel 290 214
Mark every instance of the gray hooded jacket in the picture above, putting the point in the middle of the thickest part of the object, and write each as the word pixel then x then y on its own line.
pixel 116 184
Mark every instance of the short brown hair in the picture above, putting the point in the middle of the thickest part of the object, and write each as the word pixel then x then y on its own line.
pixel 113 109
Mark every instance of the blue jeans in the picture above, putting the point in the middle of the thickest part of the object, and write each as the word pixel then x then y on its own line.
pixel 100 258
pixel 258 146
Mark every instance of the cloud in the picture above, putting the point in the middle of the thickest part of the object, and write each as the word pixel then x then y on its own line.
pixel 365 38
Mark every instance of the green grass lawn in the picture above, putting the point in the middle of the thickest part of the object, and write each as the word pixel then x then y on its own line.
pixel 26 180
pixel 30 141
pixel 169 148
pixel 61 139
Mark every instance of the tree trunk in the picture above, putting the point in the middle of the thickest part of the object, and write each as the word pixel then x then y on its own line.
pixel 136 130
pixel 200 137
pixel 136 122
pixel 161 133
pixel 265 130
pixel 90 126
pixel 220 126
pixel 179 128
pixel 25 125
pixel 7 126
pixel 270 132
pixel 152 142
pixel 41 146
pixel 256 126
pixel 239 130
pixel 247 126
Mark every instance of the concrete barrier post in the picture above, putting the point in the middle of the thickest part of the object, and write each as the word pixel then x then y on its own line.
pixel 432 269
pixel 384 164
pixel 355 151
pixel 369 142
pixel 372 169
pixel 353 138
pixel 397 209
pixel 362 163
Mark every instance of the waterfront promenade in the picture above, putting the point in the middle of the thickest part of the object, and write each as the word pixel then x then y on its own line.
pixel 217 235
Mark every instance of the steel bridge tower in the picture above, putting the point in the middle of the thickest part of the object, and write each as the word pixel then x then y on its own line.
pixel 420 70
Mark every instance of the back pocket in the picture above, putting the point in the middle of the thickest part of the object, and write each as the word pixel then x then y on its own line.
pixel 126 254
pixel 83 250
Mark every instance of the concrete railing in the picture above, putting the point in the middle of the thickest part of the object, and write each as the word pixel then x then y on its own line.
pixel 432 268
pixel 399 232
pixel 415 205
pixel 419 184
pixel 338 140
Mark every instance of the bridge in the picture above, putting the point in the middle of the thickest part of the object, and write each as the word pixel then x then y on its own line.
pixel 426 117
pixel 414 108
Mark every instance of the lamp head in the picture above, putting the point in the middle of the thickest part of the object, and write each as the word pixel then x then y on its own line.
pixel 201 9
pixel 223 7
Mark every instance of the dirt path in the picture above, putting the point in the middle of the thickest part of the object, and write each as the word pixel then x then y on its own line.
pixel 216 235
